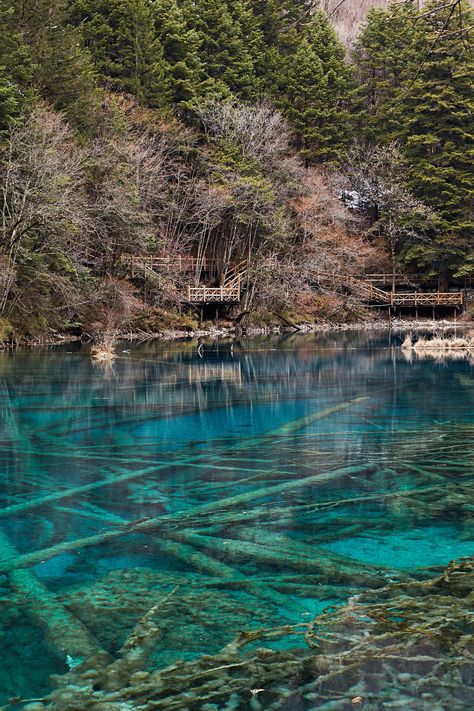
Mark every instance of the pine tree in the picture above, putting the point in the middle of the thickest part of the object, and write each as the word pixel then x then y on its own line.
pixel 249 24
pixel 319 87
pixel 283 27
pixel 8 101
pixel 61 68
pixel 227 60
pixel 181 45
pixel 382 59
pixel 434 115
pixel 416 74
pixel 120 35
pixel 15 65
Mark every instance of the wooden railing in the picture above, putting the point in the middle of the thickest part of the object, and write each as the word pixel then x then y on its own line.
pixel 419 298
pixel 236 274
pixel 386 279
pixel 366 291
pixel 230 291
pixel 213 294
pixel 408 298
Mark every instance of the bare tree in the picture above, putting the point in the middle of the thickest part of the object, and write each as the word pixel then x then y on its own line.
pixel 42 178
pixel 375 189
pixel 129 172
pixel 260 132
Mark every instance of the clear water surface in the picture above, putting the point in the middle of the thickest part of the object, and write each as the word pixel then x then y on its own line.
pixel 343 455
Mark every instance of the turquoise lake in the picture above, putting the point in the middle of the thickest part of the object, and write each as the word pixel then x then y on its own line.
pixel 258 482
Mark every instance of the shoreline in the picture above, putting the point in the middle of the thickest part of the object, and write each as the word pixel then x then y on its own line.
pixel 398 325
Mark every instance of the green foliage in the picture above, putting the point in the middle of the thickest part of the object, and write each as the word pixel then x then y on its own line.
pixel 116 173
pixel 41 178
pixel 435 119
pixel 181 45
pixel 15 66
pixel 417 87
pixel 120 35
pixel 283 27
pixel 245 155
pixel 381 56
pixel 405 223
pixel 228 55
pixel 62 71
pixel 319 87
pixel 8 100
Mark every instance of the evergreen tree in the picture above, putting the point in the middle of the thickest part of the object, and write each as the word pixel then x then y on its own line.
pixel 8 101
pixel 382 59
pixel 319 87
pixel 283 27
pixel 62 71
pixel 226 56
pixel 416 74
pixel 243 14
pixel 15 65
pixel 120 35
pixel 181 45
pixel 434 116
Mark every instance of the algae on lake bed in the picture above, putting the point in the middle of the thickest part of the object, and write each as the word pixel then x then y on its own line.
pixel 407 645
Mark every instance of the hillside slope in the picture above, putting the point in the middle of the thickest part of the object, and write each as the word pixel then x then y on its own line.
pixel 347 15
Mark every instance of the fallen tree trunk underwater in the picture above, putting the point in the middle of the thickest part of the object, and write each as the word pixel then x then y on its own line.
pixel 27 559
pixel 247 443
pixel 68 637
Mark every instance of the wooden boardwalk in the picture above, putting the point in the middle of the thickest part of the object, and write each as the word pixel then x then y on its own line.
pixel 407 298
pixel 207 269
pixel 228 293
pixel 428 298
pixel 366 291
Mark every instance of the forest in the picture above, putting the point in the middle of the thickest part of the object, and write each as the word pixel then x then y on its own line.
pixel 228 130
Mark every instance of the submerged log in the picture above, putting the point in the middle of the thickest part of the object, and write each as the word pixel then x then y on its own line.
pixel 305 551
pixel 138 646
pixel 184 548
pixel 143 525
pixel 239 550
pixel 295 425
pixel 69 638
pixel 246 443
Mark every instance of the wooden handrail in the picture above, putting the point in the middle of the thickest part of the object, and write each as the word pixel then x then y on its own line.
pixel 213 294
